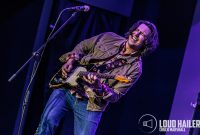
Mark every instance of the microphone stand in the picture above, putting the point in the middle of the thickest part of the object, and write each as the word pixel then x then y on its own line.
pixel 36 56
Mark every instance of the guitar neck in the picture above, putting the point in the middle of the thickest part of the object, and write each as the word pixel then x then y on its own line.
pixel 100 75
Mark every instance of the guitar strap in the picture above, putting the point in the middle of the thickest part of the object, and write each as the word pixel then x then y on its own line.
pixel 106 67
pixel 118 62
pixel 108 64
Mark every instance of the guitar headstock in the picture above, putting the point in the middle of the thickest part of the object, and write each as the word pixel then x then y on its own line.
pixel 122 79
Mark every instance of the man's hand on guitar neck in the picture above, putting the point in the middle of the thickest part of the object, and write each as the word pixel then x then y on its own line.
pixel 67 67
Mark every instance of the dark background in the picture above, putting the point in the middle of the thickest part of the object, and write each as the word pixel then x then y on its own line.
pixel 152 94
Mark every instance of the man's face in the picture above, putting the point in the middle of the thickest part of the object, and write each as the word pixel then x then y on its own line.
pixel 137 38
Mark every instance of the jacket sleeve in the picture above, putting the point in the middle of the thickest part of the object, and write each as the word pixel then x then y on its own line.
pixel 81 49
pixel 120 89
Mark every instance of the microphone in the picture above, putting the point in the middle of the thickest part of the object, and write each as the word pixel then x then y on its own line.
pixel 84 8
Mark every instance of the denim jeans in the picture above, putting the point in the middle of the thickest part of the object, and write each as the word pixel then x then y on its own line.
pixel 61 101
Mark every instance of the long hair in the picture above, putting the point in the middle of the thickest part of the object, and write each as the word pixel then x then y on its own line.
pixel 152 42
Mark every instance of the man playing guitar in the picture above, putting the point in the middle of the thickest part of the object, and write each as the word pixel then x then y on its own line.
pixel 117 65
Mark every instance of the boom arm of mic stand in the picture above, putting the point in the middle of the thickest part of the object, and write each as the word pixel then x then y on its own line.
pixel 37 53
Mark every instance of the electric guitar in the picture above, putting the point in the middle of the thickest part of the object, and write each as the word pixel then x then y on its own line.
pixel 71 81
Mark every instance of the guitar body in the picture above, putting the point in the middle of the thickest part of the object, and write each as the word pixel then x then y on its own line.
pixel 70 82
pixel 73 81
